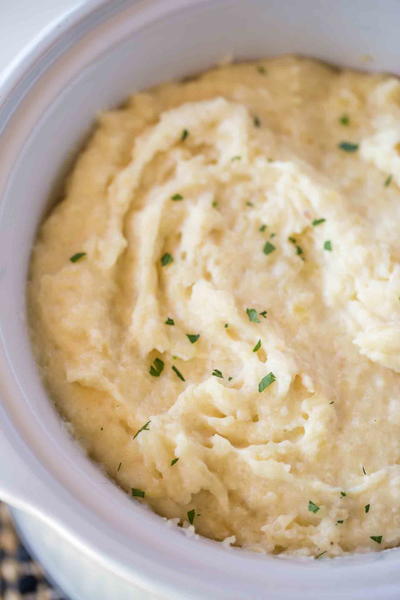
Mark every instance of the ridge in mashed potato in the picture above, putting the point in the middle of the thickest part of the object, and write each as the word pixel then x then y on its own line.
pixel 215 304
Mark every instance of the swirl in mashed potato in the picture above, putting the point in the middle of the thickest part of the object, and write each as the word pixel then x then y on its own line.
pixel 215 304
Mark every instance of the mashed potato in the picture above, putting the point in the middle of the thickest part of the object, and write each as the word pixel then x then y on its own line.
pixel 215 304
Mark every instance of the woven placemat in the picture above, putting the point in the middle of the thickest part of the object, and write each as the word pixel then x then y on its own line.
pixel 21 577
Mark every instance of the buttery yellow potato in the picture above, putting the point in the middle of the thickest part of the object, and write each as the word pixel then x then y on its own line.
pixel 215 304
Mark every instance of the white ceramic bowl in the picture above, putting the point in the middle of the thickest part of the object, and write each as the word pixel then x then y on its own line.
pixel 92 60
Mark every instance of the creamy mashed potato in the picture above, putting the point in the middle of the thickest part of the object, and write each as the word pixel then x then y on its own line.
pixel 215 304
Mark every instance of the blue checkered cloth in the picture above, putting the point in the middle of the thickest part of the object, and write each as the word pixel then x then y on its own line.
pixel 21 578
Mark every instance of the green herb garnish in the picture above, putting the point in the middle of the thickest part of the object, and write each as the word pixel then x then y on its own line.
pixel 226 325
pixel 166 259
pixel 264 313
pixel 363 470
pixel 340 521
pixel 248 203
pixel 343 494
pixel 344 120
pixel 299 250
pixel 174 461
pixel 75 257
pixel 388 180
pixel 119 466
pixel 217 373
pixel 157 367
pixel 320 555
pixel 256 121
pixel 137 493
pixel 366 508
pixel 177 197
pixel 318 222
pixel 169 321
pixel 237 157
pixel 376 538
pixel 348 146
pixel 261 69
pixel 312 507
pixel 266 381
pixel 253 315
pixel 144 428
pixel 257 346
pixel 193 337
pixel 268 248
pixel 262 228
pixel 184 135
pixel 179 374
pixel 328 245
pixel 214 204
pixel 191 515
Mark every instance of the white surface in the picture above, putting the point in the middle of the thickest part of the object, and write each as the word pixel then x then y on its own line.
pixel 22 20
pixel 50 106
pixel 76 574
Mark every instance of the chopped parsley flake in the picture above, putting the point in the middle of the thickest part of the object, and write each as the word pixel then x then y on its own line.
pixel 166 259
pixel 266 381
pixel 340 521
pixel 257 346
pixel 343 494
pixel 256 121
pixel 230 378
pixel 144 428
pixel 376 538
pixel 184 135
pixel 262 228
pixel 268 248
pixel 363 470
pixel 261 69
pixel 217 373
pixel 264 313
pixel 318 222
pixel 299 250
pixel 226 325
pixel 169 321
pixel 214 204
pixel 237 157
pixel 191 515
pixel 348 146
pixel 157 367
pixel 138 493
pixel 366 508
pixel 75 257
pixel 253 315
pixel 388 180
pixel 174 461
pixel 248 203
pixel 193 337
pixel 328 245
pixel 119 466
pixel 312 507
pixel 344 120
pixel 320 555
pixel 179 374
pixel 177 197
